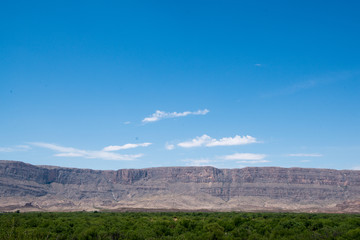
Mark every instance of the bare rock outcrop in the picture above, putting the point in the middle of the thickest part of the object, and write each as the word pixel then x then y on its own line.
pixel 46 188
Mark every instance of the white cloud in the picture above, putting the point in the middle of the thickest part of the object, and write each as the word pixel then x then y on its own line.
pixel 23 147
pixel 6 149
pixel 244 156
pixel 196 142
pixel 127 122
pixel 126 146
pixel 17 148
pixel 258 65
pixel 253 161
pixel 356 168
pixel 70 154
pixel 198 162
pixel 304 155
pixel 158 115
pixel 229 141
pixel 73 152
pixel 207 141
pixel 58 148
pixel 169 146
pixel 248 158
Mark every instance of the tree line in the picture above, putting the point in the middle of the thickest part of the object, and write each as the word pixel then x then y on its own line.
pixel 170 225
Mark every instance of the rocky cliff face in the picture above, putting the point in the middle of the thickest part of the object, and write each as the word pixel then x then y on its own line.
pixel 44 188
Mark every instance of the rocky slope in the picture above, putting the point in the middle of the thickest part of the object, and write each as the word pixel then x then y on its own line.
pixel 45 188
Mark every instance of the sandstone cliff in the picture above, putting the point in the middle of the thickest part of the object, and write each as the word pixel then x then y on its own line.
pixel 45 188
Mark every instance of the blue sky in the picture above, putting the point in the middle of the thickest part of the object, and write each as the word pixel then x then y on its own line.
pixel 135 84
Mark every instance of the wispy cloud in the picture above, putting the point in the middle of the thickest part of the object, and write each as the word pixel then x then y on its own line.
pixel 304 155
pixel 18 148
pixel 244 156
pixel 311 83
pixel 356 168
pixel 6 149
pixel 126 146
pixel 169 146
pixel 253 161
pixel 74 152
pixel 199 162
pixel 158 115
pixel 248 158
pixel 207 141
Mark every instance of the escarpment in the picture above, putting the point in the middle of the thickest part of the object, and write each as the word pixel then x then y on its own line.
pixel 46 188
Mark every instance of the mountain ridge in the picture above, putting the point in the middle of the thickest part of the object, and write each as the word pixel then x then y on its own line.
pixel 51 188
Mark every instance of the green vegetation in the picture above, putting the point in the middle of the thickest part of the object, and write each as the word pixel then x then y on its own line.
pixel 85 225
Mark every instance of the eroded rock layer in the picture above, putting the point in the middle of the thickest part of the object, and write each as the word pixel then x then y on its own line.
pixel 45 188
